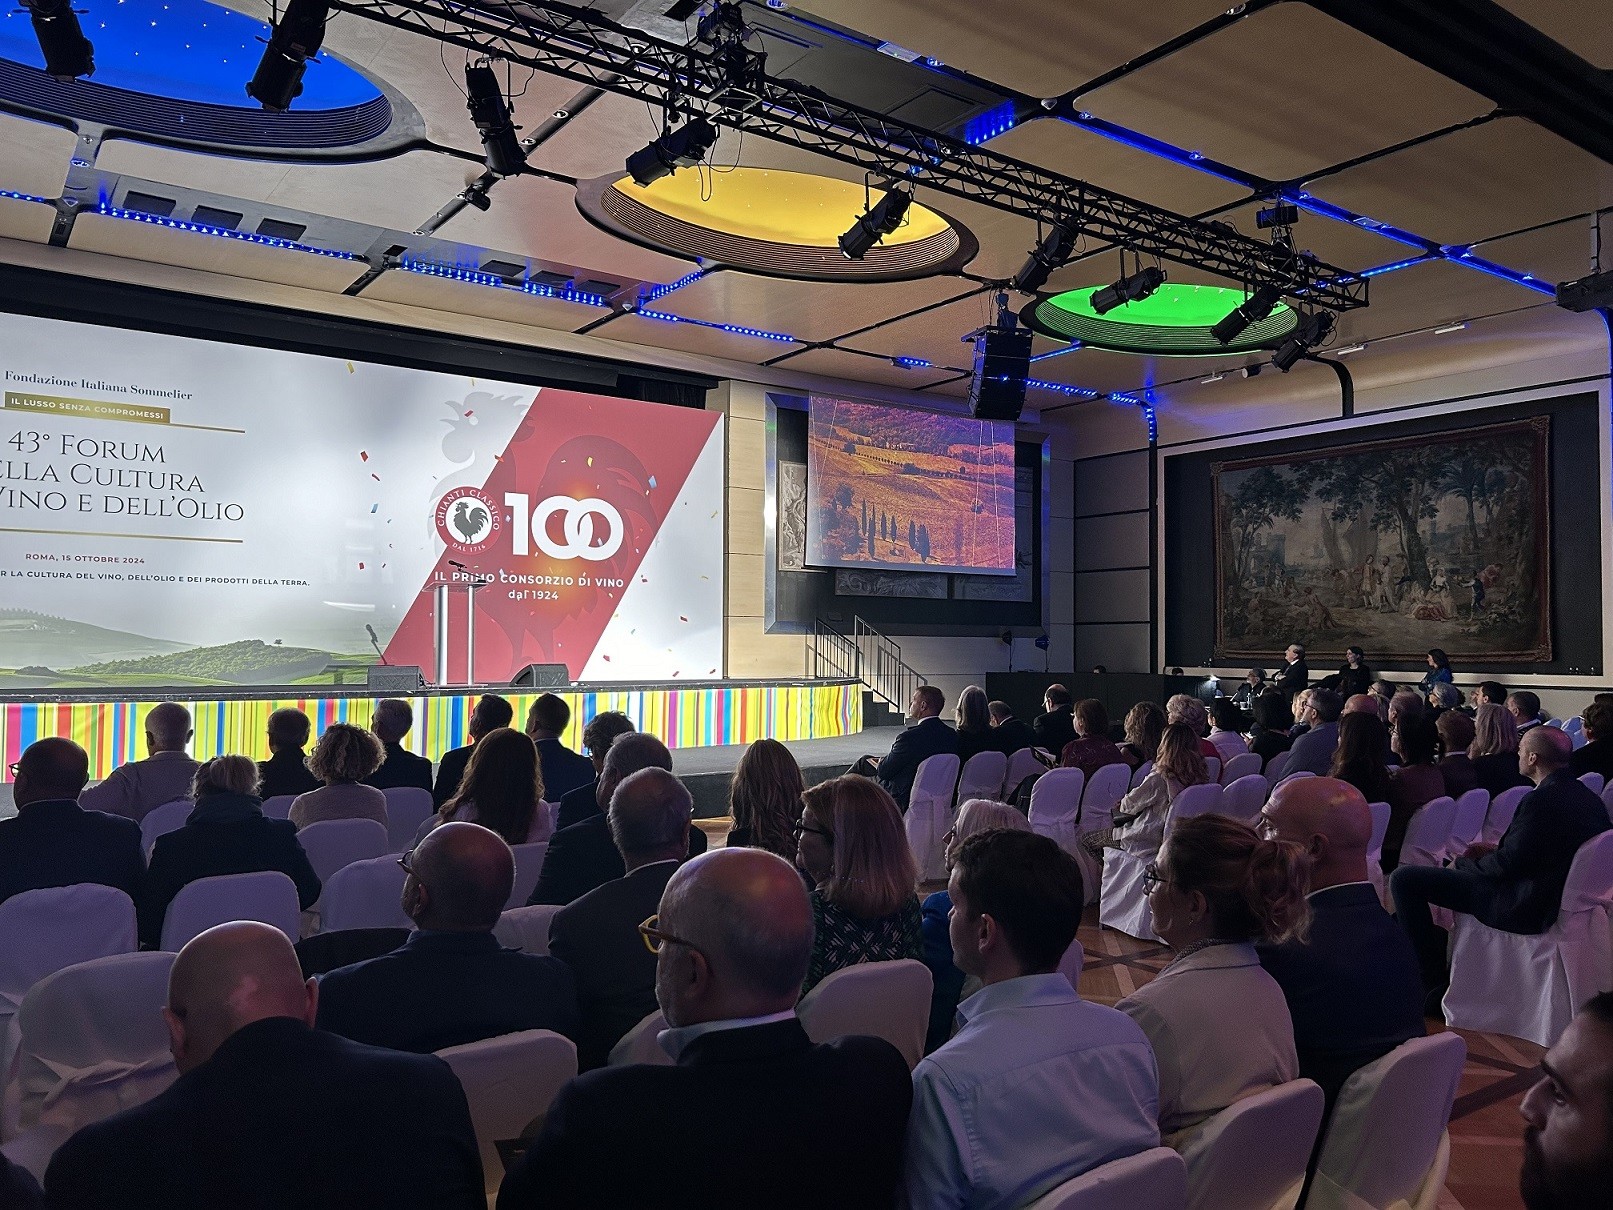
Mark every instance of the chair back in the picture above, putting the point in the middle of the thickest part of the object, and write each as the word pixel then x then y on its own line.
pixel 1212 766
pixel 528 865
pixel 1241 765
pixel 1253 1153
pixel 334 843
pixel 1105 788
pixel 641 1044
pixel 929 814
pixel 1590 876
pixel 1149 1180
pixel 1380 830
pixel 1195 800
pixel 1428 832
pixel 889 1000
pixel 1277 766
pixel 982 777
pixel 1242 799
pixel 1140 774
pixel 278 806
pixel 364 894
pixel 510 1081
pixel 407 807
pixel 1021 765
pixel 1296 775
pixel 266 895
pixel 1502 808
pixel 159 821
pixel 1385 1134
pixel 1574 725
pixel 527 928
pixel 935 779
pixel 1056 805
pixel 1073 962
pixel 1592 782
pixel 1467 821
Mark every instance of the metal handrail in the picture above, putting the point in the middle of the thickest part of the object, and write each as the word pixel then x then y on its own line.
pixel 833 654
pixel 865 655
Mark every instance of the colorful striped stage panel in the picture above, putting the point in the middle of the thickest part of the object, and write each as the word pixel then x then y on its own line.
pixel 684 716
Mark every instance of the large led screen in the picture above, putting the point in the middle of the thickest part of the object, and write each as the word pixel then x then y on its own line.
pixel 899 488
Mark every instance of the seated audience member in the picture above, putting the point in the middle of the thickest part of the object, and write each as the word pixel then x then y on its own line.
pixel 1495 749
pixel 226 834
pixel 1516 886
pixel 1361 703
pixel 1596 755
pixel 135 789
pixel 285 772
pixel 502 790
pixel 451 982
pixel 972 719
pixel 1138 819
pixel 976 815
pixel 1384 692
pixel 1568 1136
pixel 852 846
pixel 801 1124
pixel 1294 676
pixel 1442 697
pixel 490 713
pixel 53 841
pixel 1091 749
pixel 1226 726
pixel 1488 691
pixel 1254 684
pixel 584 856
pixel 1145 723
pixel 267 1110
pixel 1455 738
pixel 764 799
pixel 577 805
pixel 1038 1085
pixel 1362 757
pixel 924 737
pixel 597 936
pixel 1217 889
pixel 1269 734
pixel 1185 708
pixel 563 769
pixel 1012 733
pixel 1352 986
pixel 1055 727
pixel 400 768
pixel 1313 751
pixel 1301 711
pixel 1405 704
pixel 1524 707
pixel 344 756
pixel 1439 671
pixel 1416 781
pixel 1354 676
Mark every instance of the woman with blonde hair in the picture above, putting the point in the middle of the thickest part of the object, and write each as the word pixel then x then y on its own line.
pixel 865 908
pixel 1145 723
pixel 973 718
pixel 344 757
pixel 1139 817
pixel 502 790
pixel 1217 889
pixel 1494 751
pixel 763 799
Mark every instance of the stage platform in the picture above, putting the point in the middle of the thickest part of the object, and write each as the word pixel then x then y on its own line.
pixel 707 771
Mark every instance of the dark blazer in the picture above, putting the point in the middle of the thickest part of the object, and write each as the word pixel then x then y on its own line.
pixel 1459 774
pixel 445 989
pixel 225 834
pixel 563 770
pixel 1267 744
pixel 583 857
pixel 1353 989
pixel 577 806
pixel 597 937
pixel 400 769
pixel 925 738
pixel 972 742
pixel 1314 750
pixel 18 1189
pixel 1498 772
pixel 450 772
pixel 1595 757
pixel 284 773
pixel 283 1115
pixel 1291 678
pixel 1014 734
pixel 1522 888
pixel 1054 729
pixel 1355 680
pixel 803 1126
pixel 57 843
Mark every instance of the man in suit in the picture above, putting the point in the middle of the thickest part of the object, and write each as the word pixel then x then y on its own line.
pixel 1596 755
pixel 1056 727
pixel 925 736
pixel 597 737
pixel 563 770
pixel 1011 733
pixel 597 936
pixel 284 772
pixel 1294 675
pixel 269 1110
pixel 490 713
pixel 802 1124
pixel 135 789
pixel 1516 886
pixel 1313 751
pixel 55 842
pixel 1568 1139
pixel 451 982
pixel 1353 988
pixel 1524 707
pixel 400 768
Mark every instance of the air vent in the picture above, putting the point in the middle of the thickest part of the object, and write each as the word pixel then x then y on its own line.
pixel 149 203
pixel 276 228
pixel 503 268
pixel 212 216
pixel 555 281
pixel 594 286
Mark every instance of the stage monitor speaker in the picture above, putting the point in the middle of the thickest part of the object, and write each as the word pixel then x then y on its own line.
pixel 1002 363
pixel 543 676
pixel 394 678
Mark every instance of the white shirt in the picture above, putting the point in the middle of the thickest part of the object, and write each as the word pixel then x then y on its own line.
pixel 1037 1087
pixel 1228 744
pixel 674 1040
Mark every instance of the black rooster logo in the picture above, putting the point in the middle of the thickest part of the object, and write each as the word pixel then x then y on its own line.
pixel 469 520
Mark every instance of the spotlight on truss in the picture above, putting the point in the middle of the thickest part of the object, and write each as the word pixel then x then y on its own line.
pixel 1312 331
pixel 680 148
pixel 297 37
pixel 1053 251
pixel 1250 311
pixel 495 120
pixel 68 53
pixel 885 216
pixel 1134 288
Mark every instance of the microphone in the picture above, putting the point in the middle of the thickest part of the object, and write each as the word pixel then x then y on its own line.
pixel 375 642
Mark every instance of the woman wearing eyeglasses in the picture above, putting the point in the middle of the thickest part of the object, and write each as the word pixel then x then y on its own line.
pixel 852 846
pixel 1217 1021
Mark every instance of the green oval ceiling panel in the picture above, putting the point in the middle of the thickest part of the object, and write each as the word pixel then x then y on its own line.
pixel 1174 321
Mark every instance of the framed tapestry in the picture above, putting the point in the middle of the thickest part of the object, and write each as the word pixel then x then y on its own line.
pixel 1438 540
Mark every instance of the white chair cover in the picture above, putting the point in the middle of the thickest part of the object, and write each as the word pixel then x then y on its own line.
pixel 1578 739
pixel 528 865
pixel 1386 1147
pixel 527 928
pixel 334 843
pixel 1141 772
pixel 1380 830
pixel 982 777
pixel 1428 832
pixel 1277 766
pixel 159 821
pixel 1531 986
pixel 509 1081
pixel 1150 1180
pixel 1122 902
pixel 1607 801
pixel 1252 1155
pixel 266 895
pixel 1502 808
pixel 1468 819
pixel 641 1044
pixel 1105 789
pixel 1297 774
pixel 1071 965
pixel 1195 800
pixel 1243 798
pixel 1021 765
pixel 32 1149
pixel 278 806
pixel 365 894
pixel 929 814
pixel 1592 781
pixel 1574 725
pixel 1212 766
pixel 889 1000
pixel 1242 765
pixel 407 807
pixel 1056 806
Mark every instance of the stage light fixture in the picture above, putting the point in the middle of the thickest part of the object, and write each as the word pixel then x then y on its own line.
pixel 1282 214
pixel 68 53
pixel 495 120
pixel 1313 330
pixel 680 148
pixel 1134 288
pixel 1053 250
pixel 1250 311
pixel 1587 293
pixel 297 37
pixel 885 216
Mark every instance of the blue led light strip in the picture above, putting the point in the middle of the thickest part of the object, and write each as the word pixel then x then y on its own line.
pixel 1464 256
pixel 477 278
pixel 1062 388
pixel 912 363
pixel 1069 348
pixel 22 197
pixel 661 291
pixel 248 237
pixel 736 329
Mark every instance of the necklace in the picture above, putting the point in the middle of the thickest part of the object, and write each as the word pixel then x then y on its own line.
pixel 1187 951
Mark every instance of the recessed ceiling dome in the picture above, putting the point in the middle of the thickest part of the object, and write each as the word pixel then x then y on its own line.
pixel 1174 321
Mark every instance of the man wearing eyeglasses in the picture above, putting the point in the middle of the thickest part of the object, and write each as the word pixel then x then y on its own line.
pixel 800 1124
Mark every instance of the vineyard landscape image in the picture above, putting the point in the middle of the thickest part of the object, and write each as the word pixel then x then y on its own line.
pixel 908 490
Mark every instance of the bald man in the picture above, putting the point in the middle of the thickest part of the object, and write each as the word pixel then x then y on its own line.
pixel 1516 887
pixel 1352 988
pixel 451 982
pixel 137 788
pixel 802 1124
pixel 1361 703
pixel 55 842
pixel 268 1111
